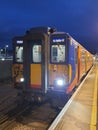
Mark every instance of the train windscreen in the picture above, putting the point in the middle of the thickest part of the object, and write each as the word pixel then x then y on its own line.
pixel 19 54
pixel 58 53
pixel 58 49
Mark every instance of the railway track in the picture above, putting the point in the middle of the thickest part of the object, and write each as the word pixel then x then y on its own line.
pixel 26 116
pixel 8 119
pixel 23 116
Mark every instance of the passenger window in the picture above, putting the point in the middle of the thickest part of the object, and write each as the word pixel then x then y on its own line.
pixel 19 54
pixel 36 53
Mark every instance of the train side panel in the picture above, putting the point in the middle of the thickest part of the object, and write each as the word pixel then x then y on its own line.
pixel 89 60
pixel 73 64
pixel 82 61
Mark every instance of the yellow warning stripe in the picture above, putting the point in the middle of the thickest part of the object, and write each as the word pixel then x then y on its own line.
pixel 94 105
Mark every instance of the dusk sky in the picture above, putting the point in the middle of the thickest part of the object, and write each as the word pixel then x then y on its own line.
pixel 79 18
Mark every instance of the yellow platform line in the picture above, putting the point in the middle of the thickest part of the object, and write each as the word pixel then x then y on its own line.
pixel 93 122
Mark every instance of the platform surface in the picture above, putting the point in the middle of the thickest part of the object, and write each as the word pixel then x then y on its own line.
pixel 77 113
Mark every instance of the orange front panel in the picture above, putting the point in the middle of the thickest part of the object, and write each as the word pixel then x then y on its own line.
pixel 56 72
pixel 17 72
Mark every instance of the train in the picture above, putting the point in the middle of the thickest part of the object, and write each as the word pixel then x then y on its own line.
pixel 48 65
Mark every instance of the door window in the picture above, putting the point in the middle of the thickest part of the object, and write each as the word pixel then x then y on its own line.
pixel 36 53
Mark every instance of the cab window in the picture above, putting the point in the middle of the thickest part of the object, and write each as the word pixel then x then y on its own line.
pixel 19 54
pixel 58 53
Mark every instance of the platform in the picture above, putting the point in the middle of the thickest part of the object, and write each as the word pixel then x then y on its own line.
pixel 80 113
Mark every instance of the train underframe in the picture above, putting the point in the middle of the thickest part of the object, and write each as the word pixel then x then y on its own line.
pixel 55 99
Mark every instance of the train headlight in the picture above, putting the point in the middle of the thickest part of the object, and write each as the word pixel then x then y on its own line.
pixel 3 59
pixel 59 82
pixel 21 79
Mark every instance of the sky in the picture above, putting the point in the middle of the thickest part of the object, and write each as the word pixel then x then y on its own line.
pixel 79 18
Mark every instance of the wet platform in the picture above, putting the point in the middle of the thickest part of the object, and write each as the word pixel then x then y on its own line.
pixel 80 113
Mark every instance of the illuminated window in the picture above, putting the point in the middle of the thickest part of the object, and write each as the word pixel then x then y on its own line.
pixel 58 53
pixel 19 53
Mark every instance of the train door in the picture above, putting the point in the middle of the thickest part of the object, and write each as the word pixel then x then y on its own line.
pixel 35 62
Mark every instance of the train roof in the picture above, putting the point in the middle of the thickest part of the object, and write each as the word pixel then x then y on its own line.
pixel 41 29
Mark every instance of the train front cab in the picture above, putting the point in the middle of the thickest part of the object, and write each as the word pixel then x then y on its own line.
pixel 63 66
pixel 35 66
pixel 17 67
pixel 58 67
